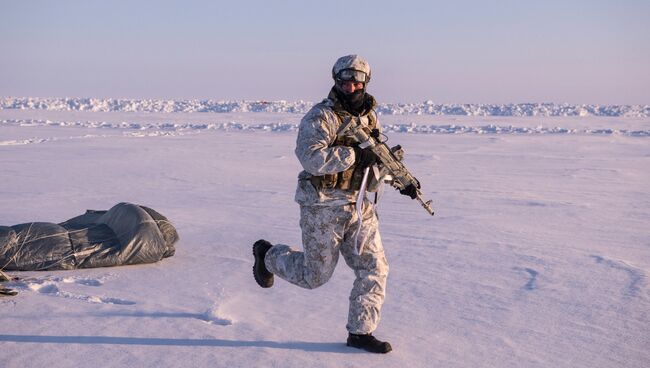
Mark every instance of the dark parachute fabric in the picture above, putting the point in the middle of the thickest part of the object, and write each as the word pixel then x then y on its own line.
pixel 124 235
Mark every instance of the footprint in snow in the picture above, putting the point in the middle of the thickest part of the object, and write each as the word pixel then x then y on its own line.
pixel 531 275
pixel 82 281
pixel 635 276
pixel 211 316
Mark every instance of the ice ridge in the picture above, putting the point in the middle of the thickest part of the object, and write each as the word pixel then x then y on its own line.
pixel 301 107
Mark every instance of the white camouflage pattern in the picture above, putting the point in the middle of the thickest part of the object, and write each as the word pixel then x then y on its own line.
pixel 355 62
pixel 326 231
pixel 329 220
pixel 317 155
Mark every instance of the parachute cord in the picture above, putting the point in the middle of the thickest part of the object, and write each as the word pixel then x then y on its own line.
pixel 19 248
pixel 4 277
pixel 359 206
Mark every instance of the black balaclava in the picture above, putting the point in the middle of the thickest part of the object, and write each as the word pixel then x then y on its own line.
pixel 353 102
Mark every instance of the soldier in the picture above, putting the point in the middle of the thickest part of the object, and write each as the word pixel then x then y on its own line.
pixel 326 192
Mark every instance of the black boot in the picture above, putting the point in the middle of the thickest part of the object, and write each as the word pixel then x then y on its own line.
pixel 368 343
pixel 262 275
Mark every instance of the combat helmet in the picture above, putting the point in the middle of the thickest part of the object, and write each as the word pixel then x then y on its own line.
pixel 351 68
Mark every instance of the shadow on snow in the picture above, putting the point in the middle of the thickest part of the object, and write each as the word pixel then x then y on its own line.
pixel 111 340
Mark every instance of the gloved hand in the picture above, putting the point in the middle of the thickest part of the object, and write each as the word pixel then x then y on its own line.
pixel 364 157
pixel 411 190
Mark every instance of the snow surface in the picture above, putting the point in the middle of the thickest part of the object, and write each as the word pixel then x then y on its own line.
pixel 538 255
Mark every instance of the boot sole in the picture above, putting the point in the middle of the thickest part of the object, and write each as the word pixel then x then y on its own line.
pixel 262 282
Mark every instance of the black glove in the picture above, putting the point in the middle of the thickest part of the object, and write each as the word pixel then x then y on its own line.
pixel 364 157
pixel 411 191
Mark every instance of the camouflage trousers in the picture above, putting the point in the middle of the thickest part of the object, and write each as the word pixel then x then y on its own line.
pixel 326 231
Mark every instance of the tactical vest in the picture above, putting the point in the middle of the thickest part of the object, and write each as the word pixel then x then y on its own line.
pixel 351 178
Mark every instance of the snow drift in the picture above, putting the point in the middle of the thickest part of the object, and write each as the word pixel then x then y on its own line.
pixel 301 107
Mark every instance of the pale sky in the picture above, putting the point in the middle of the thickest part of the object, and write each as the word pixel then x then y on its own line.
pixel 464 51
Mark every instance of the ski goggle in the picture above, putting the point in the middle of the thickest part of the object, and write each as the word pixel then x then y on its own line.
pixel 352 75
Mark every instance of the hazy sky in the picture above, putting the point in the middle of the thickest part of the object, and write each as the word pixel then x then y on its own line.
pixel 462 51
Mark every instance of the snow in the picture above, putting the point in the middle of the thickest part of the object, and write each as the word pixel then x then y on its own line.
pixel 538 255
pixel 425 108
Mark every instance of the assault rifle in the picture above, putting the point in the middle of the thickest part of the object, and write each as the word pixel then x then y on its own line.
pixel 357 128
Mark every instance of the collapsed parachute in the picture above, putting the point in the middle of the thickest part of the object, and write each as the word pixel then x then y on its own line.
pixel 124 235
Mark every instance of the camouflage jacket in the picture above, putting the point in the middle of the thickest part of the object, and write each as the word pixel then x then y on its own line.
pixel 319 154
